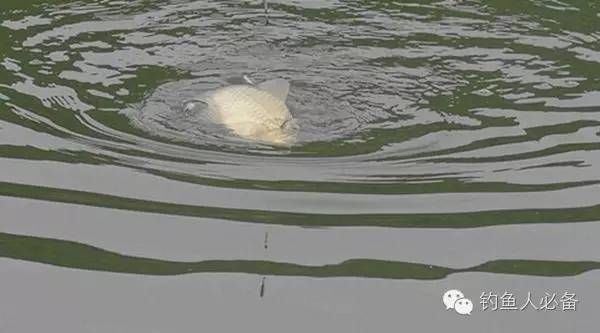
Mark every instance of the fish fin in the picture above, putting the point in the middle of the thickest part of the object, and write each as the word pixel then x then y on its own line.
pixel 277 87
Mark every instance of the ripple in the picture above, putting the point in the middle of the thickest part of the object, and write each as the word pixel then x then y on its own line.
pixel 425 116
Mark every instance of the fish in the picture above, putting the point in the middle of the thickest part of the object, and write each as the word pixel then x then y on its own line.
pixel 256 112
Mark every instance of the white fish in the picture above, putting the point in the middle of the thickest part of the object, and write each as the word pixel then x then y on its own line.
pixel 255 112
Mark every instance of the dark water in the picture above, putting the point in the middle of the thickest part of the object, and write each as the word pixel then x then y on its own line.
pixel 441 145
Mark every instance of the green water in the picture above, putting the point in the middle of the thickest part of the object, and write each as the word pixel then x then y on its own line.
pixel 477 122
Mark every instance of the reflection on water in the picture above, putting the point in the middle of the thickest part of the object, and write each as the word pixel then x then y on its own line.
pixel 432 118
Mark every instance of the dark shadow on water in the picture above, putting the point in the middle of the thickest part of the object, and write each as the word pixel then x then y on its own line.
pixel 80 256
pixel 423 220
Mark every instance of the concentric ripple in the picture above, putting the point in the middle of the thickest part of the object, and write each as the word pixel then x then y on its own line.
pixel 450 114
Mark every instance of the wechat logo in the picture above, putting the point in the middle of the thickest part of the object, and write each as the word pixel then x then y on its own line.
pixel 455 299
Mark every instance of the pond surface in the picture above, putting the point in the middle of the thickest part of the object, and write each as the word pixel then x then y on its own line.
pixel 441 145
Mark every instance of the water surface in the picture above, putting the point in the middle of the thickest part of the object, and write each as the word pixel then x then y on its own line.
pixel 441 144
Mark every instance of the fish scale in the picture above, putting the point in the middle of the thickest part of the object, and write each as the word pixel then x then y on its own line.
pixel 252 112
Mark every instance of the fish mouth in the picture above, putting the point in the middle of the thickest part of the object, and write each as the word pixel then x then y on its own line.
pixel 289 124
pixel 285 123
pixel 288 131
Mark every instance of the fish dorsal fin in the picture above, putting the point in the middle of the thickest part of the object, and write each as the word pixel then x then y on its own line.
pixel 277 87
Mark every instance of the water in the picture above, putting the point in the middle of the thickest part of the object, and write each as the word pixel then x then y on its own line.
pixel 450 144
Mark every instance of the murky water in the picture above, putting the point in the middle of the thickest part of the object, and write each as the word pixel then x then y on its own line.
pixel 450 144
